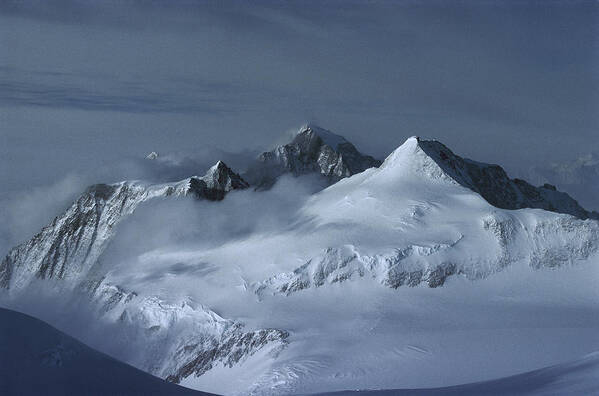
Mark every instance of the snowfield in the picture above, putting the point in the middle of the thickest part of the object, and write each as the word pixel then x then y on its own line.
pixel 580 377
pixel 398 277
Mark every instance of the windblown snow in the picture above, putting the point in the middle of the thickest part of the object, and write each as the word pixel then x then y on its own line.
pixel 398 276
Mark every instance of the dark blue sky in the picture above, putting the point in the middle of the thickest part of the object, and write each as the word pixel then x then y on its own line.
pixel 85 84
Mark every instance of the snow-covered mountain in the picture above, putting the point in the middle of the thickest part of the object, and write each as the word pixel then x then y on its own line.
pixel 423 182
pixel 38 359
pixel 406 275
pixel 313 149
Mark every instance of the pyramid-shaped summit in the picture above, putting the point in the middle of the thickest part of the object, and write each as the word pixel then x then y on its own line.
pixel 215 184
pixel 489 180
pixel 312 150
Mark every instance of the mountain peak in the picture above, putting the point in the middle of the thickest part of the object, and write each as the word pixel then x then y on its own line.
pixel 219 167
pixel 435 160
pixel 311 131
pixel 312 150
pixel 217 181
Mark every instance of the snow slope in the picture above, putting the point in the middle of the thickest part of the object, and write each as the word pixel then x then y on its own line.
pixel 400 276
pixel 580 377
pixel 37 359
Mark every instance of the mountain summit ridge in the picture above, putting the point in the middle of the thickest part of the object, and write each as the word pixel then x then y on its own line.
pixel 490 181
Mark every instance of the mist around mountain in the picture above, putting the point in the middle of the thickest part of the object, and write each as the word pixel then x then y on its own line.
pixel 324 270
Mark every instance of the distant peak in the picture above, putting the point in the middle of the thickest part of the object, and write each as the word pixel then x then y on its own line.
pixel 329 138
pixel 312 150
pixel 219 169
pixel 221 176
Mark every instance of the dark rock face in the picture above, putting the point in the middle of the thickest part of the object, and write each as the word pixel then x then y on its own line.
pixel 313 150
pixel 495 186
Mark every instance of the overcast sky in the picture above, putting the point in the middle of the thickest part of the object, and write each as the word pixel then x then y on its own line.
pixel 84 85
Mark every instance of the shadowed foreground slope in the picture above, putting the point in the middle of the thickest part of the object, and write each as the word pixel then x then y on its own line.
pixel 37 359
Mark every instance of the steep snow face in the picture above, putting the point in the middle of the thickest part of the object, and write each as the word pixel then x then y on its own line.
pixel 45 361
pixel 313 149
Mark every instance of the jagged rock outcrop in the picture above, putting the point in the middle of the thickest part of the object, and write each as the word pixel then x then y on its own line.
pixel 495 186
pixel 73 242
pixel 313 150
